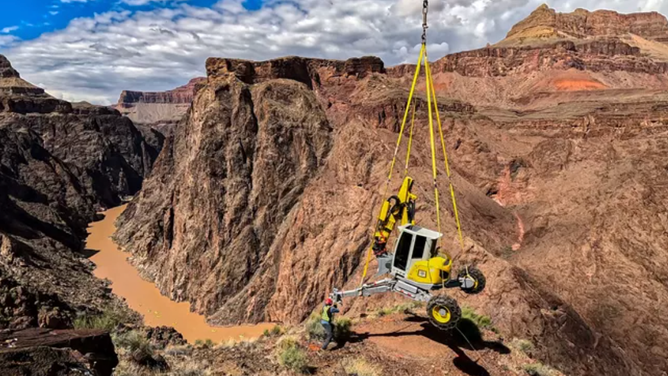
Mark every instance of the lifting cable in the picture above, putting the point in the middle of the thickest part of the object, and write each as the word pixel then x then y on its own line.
pixel 431 96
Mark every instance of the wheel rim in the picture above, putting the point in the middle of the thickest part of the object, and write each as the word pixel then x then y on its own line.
pixel 441 314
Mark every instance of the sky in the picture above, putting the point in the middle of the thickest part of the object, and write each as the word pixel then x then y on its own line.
pixel 93 49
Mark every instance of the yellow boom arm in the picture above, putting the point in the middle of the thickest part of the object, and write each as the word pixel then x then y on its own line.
pixel 399 208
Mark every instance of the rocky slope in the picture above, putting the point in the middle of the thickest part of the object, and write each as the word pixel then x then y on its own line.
pixel 59 164
pixel 158 110
pixel 265 193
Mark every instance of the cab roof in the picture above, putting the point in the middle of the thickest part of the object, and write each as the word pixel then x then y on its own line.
pixel 417 230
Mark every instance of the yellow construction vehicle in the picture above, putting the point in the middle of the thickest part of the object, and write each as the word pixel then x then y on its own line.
pixel 416 268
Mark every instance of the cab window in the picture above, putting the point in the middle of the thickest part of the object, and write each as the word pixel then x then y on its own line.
pixel 418 249
pixel 404 247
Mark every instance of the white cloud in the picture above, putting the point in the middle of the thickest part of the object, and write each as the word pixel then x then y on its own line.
pixel 53 12
pixel 6 40
pixel 9 29
pixel 95 58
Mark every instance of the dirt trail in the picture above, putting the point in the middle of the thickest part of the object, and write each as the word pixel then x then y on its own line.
pixel 144 297
pixel 413 339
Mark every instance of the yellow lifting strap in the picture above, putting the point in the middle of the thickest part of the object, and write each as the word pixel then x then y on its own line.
pixel 430 84
pixel 396 149
pixel 431 96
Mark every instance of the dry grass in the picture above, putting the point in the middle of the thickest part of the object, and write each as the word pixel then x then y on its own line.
pixel 360 367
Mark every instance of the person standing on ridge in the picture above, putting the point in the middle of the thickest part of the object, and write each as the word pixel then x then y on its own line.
pixel 327 320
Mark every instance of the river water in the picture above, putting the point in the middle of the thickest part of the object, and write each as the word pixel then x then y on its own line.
pixel 144 297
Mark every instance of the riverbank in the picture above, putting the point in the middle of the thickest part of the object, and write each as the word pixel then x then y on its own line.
pixel 144 297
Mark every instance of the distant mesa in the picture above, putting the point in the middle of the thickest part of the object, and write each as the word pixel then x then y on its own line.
pixel 546 23
pixel 158 109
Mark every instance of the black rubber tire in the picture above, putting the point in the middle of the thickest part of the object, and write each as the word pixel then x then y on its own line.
pixel 451 305
pixel 477 275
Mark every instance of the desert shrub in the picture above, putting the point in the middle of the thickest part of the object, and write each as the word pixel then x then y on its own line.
pixel 266 333
pixel 399 308
pixel 207 344
pixel 342 329
pixel 361 367
pixel 524 345
pixel 384 311
pixel 539 369
pixel 482 321
pixel 108 320
pixel 291 355
pixel 132 341
pixel 277 330
pixel 314 329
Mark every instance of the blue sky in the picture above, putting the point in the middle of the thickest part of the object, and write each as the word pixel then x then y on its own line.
pixel 93 49
pixel 28 19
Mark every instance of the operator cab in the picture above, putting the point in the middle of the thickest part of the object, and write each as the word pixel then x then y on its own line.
pixel 413 244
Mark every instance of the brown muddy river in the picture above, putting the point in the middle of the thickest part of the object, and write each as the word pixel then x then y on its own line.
pixel 144 297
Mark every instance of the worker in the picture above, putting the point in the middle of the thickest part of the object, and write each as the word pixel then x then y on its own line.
pixel 327 320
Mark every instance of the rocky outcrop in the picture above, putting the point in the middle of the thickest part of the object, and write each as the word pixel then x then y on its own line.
pixel 582 23
pixel 56 352
pixel 293 68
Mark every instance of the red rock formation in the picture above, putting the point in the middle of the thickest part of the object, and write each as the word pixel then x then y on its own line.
pixel 181 95
pixel 582 23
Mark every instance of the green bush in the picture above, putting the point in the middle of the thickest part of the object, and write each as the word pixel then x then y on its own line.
pixel 482 321
pixel 294 358
pixel 266 333
pixel 316 332
pixel 399 308
pixel 291 355
pixel 342 329
pixel 207 344
pixel 108 320
pixel 133 341
pixel 524 345
pixel 277 330
pixel 314 329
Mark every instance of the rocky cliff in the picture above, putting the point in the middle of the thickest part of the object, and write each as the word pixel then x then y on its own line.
pixel 59 163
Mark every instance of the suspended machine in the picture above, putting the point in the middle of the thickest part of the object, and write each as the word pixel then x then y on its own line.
pixel 416 267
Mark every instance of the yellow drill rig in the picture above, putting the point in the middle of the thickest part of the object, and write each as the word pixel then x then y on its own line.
pixel 415 267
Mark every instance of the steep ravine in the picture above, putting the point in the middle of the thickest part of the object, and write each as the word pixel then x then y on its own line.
pixel 59 163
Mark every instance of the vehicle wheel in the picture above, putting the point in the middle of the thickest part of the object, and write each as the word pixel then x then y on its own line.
pixel 444 312
pixel 478 278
